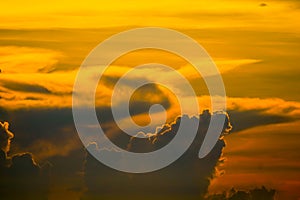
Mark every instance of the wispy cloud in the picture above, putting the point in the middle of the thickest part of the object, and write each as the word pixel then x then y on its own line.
pixel 16 59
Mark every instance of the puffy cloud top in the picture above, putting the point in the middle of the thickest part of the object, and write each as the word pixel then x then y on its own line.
pixel 188 177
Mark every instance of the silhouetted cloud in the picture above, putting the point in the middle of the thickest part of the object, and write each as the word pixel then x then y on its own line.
pixel 21 176
pixel 254 194
pixel 5 137
pixel 188 177
pixel 25 87
pixel 38 131
pixel 242 120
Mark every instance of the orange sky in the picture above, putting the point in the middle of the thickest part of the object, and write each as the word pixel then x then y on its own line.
pixel 256 49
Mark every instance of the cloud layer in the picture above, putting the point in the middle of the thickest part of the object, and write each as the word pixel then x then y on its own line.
pixel 21 176
pixel 188 176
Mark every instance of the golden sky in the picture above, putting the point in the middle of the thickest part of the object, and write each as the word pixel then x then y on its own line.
pixel 277 15
pixel 255 45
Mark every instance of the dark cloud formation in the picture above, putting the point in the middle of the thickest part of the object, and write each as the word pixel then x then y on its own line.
pixel 242 120
pixel 52 130
pixel 48 124
pixel 254 194
pixel 29 88
pixel 5 137
pixel 186 178
pixel 146 96
pixel 24 87
pixel 21 176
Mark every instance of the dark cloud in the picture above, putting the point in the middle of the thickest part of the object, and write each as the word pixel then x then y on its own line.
pixel 50 135
pixel 49 124
pixel 24 179
pixel 24 87
pixel 254 194
pixel 242 120
pixel 111 81
pixel 146 96
pixel 21 176
pixel 5 137
pixel 40 123
pixel 186 178
pixel 29 88
pixel 41 130
pixel 37 124
pixel 3 114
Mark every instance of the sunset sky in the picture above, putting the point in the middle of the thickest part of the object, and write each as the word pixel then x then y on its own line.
pixel 255 45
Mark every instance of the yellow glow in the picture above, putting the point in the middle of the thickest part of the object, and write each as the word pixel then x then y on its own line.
pixel 176 14
pixel 256 49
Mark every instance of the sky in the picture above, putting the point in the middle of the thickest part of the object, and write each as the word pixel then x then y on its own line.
pixel 254 44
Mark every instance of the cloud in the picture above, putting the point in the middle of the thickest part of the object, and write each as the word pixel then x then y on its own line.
pixel 223 65
pixel 266 106
pixel 263 155
pixel 36 90
pixel 5 137
pixel 67 153
pixel 16 59
pixel 23 87
pixel 50 136
pixel 21 176
pixel 189 175
pixel 42 142
pixel 30 123
pixel 24 179
pixel 254 194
